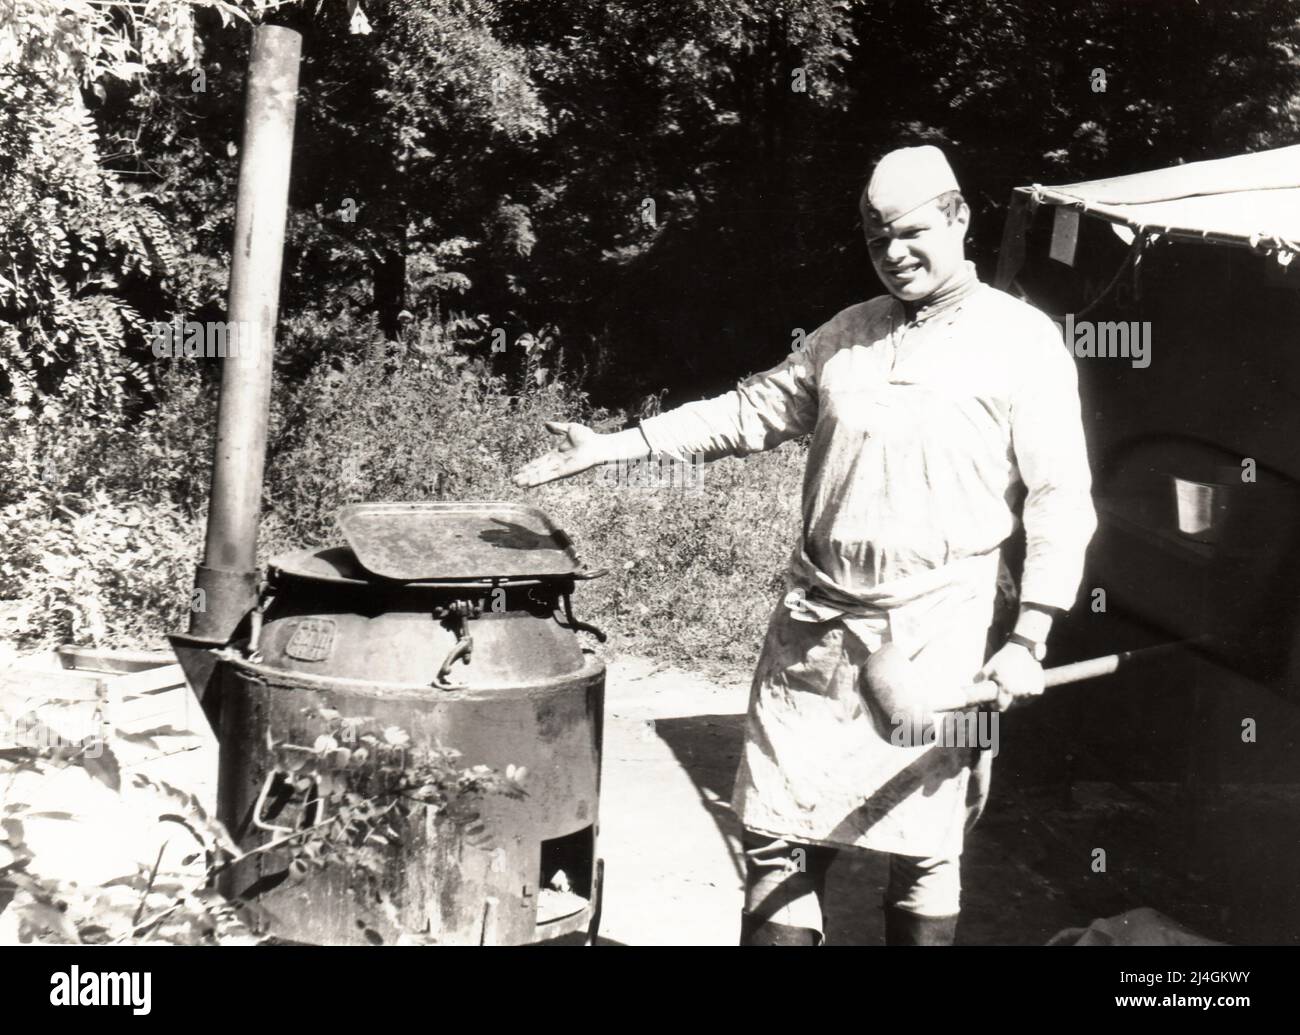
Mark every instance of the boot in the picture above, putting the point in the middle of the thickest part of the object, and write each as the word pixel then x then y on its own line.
pixel 756 931
pixel 904 928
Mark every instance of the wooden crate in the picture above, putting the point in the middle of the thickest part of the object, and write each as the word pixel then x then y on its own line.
pixel 139 699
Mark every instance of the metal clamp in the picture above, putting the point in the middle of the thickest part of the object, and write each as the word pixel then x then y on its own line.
pixel 460 611
pixel 255 618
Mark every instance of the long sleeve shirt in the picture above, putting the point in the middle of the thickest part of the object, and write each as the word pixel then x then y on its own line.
pixel 927 436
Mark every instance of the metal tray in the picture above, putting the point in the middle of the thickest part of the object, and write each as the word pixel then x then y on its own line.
pixel 434 542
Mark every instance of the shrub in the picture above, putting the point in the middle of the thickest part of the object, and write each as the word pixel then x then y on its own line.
pixel 98 571
pixel 693 576
pixel 429 422
pixel 101 525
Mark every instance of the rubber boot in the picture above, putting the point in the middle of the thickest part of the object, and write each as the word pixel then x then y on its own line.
pixel 756 931
pixel 904 928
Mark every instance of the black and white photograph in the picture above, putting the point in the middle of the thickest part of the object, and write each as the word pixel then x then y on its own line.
pixel 683 473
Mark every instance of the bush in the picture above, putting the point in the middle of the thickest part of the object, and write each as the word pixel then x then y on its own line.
pixel 428 423
pixel 693 575
pixel 101 523
pixel 101 526
pixel 98 571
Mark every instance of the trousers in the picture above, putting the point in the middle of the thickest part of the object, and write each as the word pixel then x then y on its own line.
pixel 785 882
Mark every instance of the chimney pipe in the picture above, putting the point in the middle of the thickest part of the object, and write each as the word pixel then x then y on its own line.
pixel 226 581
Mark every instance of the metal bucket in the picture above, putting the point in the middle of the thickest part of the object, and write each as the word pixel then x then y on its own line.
pixel 489 666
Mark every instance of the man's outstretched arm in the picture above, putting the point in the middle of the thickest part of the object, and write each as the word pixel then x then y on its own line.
pixel 760 413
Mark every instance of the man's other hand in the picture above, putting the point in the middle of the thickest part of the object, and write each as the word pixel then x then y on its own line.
pixel 1016 674
pixel 578 449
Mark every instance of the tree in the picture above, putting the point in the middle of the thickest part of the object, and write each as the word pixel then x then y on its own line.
pixel 79 247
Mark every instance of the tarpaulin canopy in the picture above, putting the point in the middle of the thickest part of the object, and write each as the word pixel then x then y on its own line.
pixel 1251 200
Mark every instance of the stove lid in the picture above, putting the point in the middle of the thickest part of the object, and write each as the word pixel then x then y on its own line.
pixel 335 564
pixel 444 542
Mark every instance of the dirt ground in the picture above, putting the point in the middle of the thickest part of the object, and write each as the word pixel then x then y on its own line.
pixel 1119 765
pixel 1218 859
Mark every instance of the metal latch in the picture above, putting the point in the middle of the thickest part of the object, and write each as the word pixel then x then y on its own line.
pixel 460 612
pixel 578 626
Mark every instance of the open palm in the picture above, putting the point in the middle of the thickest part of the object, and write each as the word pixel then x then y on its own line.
pixel 578 449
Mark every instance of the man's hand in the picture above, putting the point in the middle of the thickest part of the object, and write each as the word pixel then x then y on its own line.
pixel 1016 674
pixel 578 450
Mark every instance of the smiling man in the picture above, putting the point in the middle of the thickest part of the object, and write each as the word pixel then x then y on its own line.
pixel 940 415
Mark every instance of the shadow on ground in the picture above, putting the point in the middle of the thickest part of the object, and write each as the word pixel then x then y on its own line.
pixel 708 748
pixel 1217 857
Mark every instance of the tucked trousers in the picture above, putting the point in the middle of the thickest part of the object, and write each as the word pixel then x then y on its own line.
pixel 785 882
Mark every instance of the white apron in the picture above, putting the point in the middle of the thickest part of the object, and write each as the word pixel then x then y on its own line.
pixel 821 767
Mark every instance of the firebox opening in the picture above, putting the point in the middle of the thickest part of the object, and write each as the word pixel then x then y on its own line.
pixel 287 804
pixel 567 866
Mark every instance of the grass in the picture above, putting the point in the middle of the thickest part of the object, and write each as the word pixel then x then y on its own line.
pixel 693 575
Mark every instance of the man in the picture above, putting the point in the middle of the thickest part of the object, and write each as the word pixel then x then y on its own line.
pixel 936 413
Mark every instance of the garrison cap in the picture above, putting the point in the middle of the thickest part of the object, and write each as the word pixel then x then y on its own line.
pixel 906 179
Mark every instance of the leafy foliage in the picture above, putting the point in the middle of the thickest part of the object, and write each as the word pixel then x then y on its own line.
pixel 498 158
pixel 47 781
pixel 100 525
pixel 95 571
pixel 422 420
pixel 68 241
pixel 378 789
pixel 77 245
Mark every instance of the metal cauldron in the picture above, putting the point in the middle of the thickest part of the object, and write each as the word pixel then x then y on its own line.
pixel 452 622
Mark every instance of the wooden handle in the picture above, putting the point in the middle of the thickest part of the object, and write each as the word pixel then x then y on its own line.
pixel 986 692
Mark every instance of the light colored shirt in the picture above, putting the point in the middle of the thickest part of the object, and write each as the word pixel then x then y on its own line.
pixel 927 438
